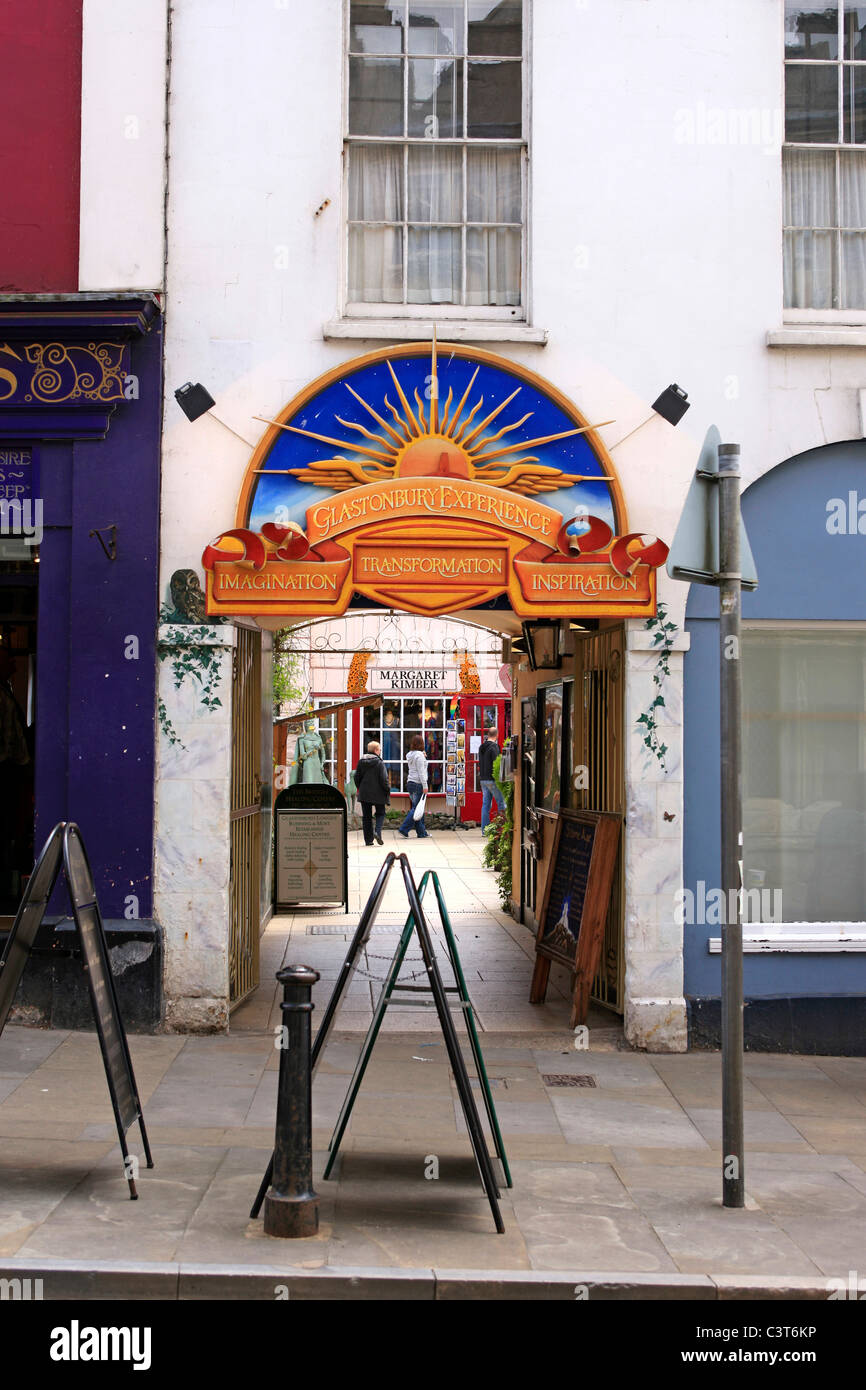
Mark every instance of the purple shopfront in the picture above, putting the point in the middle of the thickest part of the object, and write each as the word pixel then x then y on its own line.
pixel 80 408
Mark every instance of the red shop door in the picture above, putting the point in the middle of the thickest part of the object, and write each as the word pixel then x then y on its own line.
pixel 479 711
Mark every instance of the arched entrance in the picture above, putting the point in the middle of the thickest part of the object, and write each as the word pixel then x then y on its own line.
pixel 409 481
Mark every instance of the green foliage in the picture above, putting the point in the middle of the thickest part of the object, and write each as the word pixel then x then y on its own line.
pixel 198 663
pixel 663 634
pixel 499 837
pixel 288 688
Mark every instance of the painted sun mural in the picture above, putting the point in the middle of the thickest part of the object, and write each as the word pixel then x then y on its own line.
pixel 431 411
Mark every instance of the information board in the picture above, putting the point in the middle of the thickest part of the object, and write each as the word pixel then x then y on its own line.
pixel 576 900
pixel 310 858
pixel 310 846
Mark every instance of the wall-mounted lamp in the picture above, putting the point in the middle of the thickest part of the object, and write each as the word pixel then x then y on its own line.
pixel 542 644
pixel 672 404
pixel 196 400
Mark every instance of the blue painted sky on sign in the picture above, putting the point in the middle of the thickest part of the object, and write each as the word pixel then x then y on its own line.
pixel 373 381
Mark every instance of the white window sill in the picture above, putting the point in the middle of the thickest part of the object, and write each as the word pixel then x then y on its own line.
pixel 824 938
pixel 450 330
pixel 817 336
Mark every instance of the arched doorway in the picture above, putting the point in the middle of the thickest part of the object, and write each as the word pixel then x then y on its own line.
pixel 409 480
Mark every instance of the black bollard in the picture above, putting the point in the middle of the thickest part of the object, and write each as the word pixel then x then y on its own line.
pixel 291 1205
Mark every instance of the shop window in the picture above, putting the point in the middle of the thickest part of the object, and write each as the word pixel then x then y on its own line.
pixel 804 774
pixel 328 731
pixel 554 755
pixel 824 156
pixel 396 724
pixel 436 155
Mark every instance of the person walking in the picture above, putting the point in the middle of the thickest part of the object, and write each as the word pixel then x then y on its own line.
pixel 416 785
pixel 487 755
pixel 374 792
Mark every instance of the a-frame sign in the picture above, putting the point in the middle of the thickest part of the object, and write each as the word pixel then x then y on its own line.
pixel 415 923
pixel 65 845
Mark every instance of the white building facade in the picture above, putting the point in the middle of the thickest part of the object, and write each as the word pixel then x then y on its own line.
pixel 601 193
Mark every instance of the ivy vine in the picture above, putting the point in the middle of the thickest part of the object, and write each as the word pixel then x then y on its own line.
pixel 663 633
pixel 199 663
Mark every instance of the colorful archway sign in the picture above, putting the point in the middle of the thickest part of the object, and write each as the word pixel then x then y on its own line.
pixel 413 476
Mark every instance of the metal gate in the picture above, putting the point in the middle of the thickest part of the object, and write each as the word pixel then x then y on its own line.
pixel 598 746
pixel 246 820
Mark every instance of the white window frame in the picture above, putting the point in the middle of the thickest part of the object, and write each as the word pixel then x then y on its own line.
pixel 838 317
pixel 354 311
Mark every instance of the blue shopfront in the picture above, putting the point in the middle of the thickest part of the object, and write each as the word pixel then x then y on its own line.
pixel 80 409
pixel 804 775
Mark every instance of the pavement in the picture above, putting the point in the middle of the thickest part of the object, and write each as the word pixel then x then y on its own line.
pixel 615 1155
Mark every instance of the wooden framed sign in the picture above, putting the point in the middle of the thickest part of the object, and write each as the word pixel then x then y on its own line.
pixel 576 899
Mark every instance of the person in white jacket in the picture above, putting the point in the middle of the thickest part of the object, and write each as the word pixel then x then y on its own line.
pixel 416 785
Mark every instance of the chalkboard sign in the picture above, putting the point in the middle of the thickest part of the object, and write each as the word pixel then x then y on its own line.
pixel 576 900
pixel 28 919
pixel 65 843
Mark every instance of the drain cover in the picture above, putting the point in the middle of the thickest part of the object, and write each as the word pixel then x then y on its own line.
pixel 566 1079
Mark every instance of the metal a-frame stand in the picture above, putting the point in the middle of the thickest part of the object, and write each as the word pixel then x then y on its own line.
pixel 416 922
pixel 391 987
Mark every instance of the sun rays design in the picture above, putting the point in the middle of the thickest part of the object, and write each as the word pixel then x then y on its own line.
pixel 420 442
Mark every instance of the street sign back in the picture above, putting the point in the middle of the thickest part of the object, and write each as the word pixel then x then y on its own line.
pixel 694 554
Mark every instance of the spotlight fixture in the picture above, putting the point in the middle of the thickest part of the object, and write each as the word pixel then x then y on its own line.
pixel 194 399
pixel 672 404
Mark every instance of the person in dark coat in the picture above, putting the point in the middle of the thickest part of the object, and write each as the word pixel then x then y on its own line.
pixel 374 792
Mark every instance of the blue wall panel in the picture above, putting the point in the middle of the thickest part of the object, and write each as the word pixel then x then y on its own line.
pixel 805 573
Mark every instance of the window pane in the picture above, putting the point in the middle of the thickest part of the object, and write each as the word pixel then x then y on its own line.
pixel 435 183
pixel 492 265
pixel 375 183
pixel 804 773
pixel 810 270
pixel 372 721
pixel 435 98
pixel 811 104
pixel 551 756
pixel 411 717
pixel 494 27
pixel 376 265
pixel 493 185
pixel 852 183
pixel 433 715
pixel 390 729
pixel 434 265
pixel 434 777
pixel 855 31
pixel 493 97
pixel 376 27
pixel 395 772
pixel 853 270
pixel 436 29
pixel 854 98
pixel 375 96
pixel 811 31
pixel 810 188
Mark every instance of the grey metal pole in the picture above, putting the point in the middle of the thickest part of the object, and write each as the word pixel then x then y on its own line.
pixel 730 595
pixel 291 1205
